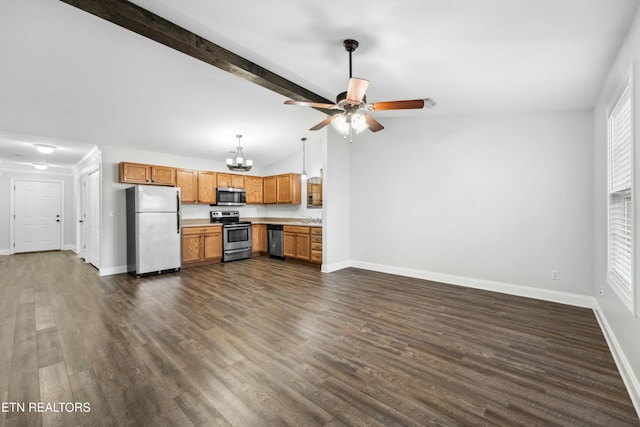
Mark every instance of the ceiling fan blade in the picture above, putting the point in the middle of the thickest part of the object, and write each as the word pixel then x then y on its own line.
pixel 322 123
pixel 357 89
pixel 310 104
pixel 374 125
pixel 398 105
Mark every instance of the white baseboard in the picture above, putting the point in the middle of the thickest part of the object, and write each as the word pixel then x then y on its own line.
pixel 112 270
pixel 330 268
pixel 630 379
pixel 5 252
pixel 488 285
pixel 69 248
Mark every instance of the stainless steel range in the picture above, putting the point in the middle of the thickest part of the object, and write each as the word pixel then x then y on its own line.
pixel 236 235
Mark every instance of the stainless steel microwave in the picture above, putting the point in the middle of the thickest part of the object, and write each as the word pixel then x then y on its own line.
pixel 226 196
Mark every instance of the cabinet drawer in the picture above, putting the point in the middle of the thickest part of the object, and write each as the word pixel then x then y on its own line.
pixel 316 256
pixel 296 229
pixel 316 231
pixel 188 231
pixel 316 246
pixel 316 239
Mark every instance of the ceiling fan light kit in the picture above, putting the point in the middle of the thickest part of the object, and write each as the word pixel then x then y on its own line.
pixel 354 107
pixel 239 162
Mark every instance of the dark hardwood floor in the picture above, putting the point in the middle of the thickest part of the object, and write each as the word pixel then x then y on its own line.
pixel 264 342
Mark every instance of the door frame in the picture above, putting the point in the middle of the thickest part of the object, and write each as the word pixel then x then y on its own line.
pixel 12 215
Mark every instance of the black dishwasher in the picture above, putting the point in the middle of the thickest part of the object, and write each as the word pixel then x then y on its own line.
pixel 275 241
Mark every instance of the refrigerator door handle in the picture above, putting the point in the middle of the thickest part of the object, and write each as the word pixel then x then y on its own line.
pixel 178 211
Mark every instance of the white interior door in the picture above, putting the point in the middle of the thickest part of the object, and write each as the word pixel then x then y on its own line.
pixel 38 216
pixel 84 221
pixel 93 218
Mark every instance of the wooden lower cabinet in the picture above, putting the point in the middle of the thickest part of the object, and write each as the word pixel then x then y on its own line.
pixel 316 245
pixel 297 242
pixel 201 245
pixel 259 239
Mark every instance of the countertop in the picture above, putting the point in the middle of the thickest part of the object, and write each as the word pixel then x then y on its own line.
pixel 205 222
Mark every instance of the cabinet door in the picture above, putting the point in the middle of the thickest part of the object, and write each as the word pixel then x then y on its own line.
pixel 253 187
pixel 283 188
pixel 289 244
pixel 163 175
pixel 191 248
pixel 237 181
pixel 135 173
pixel 259 237
pixel 213 245
pixel 207 187
pixel 224 179
pixel 288 188
pixel 187 181
pixel 269 189
pixel 303 247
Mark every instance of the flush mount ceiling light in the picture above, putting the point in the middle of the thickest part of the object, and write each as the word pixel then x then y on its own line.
pixel 239 162
pixel 40 166
pixel 45 148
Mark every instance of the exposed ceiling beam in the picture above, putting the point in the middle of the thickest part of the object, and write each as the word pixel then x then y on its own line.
pixel 147 24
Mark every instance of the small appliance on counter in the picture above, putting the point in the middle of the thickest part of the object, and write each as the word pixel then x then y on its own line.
pixel 236 235
pixel 153 229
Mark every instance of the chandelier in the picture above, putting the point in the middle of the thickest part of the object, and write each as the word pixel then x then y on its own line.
pixel 239 162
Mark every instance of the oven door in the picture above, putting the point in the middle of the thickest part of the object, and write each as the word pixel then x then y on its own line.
pixel 236 236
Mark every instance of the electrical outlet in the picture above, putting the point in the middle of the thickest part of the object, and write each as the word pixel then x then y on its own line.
pixel 555 275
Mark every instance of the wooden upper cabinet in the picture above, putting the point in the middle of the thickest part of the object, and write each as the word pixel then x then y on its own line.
pixel 196 186
pixel 223 180
pixel 269 189
pixel 207 187
pixel 237 181
pixel 283 188
pixel 187 180
pixel 162 175
pixel 230 180
pixel 288 188
pixel 136 173
pixel 253 188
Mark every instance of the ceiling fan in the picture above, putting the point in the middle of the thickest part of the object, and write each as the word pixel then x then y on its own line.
pixel 353 105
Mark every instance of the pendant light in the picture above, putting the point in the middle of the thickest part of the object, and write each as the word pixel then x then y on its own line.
pixel 303 175
pixel 239 162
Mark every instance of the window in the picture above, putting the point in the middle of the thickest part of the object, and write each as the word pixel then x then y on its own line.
pixel 620 137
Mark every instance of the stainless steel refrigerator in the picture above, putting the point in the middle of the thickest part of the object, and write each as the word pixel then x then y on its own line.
pixel 154 242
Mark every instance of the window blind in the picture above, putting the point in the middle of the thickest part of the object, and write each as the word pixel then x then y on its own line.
pixel 620 192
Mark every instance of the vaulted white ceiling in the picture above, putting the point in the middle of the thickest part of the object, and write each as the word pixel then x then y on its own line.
pixel 75 80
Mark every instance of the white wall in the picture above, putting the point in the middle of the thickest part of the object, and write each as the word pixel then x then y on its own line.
pixel 500 198
pixel 336 204
pixel 623 328
pixel 69 219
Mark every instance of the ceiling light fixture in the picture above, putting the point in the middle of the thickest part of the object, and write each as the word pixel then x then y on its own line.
pixel 303 175
pixel 45 148
pixel 40 166
pixel 239 163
